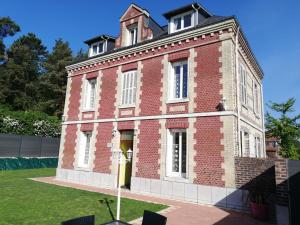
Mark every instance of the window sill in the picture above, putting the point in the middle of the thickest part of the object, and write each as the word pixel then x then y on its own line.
pixel 177 179
pixel 87 110
pixel 170 101
pixel 126 106
pixel 86 169
pixel 185 28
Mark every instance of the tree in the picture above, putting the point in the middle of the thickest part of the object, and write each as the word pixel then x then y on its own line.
pixel 19 78
pixel 80 56
pixel 286 128
pixel 7 28
pixel 53 82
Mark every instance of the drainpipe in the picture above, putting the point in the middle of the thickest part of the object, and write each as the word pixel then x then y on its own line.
pixel 237 90
pixel 263 120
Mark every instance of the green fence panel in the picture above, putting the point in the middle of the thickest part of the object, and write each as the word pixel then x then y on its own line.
pixel 27 163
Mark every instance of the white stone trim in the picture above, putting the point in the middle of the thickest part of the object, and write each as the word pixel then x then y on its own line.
pixel 170 116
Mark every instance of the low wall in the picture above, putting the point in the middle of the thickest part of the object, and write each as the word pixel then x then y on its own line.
pixel 27 163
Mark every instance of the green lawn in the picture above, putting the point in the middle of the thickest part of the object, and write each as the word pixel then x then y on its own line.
pixel 23 201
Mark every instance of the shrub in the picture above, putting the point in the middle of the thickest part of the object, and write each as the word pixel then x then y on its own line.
pixel 28 123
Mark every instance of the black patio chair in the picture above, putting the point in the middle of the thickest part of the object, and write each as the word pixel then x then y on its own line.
pixel 151 218
pixel 85 220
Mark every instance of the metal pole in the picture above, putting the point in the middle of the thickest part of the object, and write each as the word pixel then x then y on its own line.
pixel 119 186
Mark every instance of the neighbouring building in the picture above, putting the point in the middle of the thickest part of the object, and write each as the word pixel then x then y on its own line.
pixel 186 98
pixel 272 145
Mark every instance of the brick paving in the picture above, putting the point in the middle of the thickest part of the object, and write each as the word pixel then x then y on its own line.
pixel 179 212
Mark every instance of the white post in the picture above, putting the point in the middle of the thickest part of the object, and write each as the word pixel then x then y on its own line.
pixel 119 186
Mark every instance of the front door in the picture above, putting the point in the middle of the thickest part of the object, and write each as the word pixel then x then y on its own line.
pixel 126 143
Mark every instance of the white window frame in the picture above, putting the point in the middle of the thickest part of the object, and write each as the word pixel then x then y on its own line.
pixel 181 16
pixel 97 44
pixel 172 83
pixel 256 99
pixel 257 145
pixel 245 141
pixel 135 35
pixel 243 85
pixel 84 154
pixel 90 94
pixel 169 156
pixel 128 88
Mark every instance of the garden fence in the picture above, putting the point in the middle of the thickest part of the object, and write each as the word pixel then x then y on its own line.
pixel 28 146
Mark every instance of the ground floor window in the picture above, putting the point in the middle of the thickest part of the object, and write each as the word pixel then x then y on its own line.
pixel 177 153
pixel 257 145
pixel 245 143
pixel 84 149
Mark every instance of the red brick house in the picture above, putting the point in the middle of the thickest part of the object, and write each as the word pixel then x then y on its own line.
pixel 185 97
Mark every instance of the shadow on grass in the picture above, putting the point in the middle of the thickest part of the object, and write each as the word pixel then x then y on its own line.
pixel 107 202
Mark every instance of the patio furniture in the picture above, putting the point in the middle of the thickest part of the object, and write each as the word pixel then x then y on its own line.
pixel 151 218
pixel 116 222
pixel 85 220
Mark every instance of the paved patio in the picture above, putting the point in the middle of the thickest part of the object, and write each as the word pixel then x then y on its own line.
pixel 179 213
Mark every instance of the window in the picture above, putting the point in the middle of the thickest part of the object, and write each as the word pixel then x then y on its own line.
pixel 179 81
pixel 132 35
pixel 245 144
pixel 182 22
pixel 257 145
pixel 256 106
pixel 90 94
pixel 97 48
pixel 129 88
pixel 84 150
pixel 177 154
pixel 243 85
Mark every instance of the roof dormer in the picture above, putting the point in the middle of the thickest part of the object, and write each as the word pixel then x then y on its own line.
pixel 100 44
pixel 136 25
pixel 185 17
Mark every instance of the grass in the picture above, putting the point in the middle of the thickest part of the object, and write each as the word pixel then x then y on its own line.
pixel 26 202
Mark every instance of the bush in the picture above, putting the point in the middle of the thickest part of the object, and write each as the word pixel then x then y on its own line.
pixel 28 123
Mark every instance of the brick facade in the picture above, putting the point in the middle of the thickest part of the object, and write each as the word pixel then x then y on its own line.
pixel 211 131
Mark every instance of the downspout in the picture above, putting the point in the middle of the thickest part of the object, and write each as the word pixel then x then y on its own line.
pixel 237 90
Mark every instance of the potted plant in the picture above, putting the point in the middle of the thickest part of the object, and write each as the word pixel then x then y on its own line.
pixel 258 205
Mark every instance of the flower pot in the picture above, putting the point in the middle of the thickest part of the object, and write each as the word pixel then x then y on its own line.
pixel 259 211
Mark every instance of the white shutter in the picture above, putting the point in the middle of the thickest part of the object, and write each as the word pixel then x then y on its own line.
pixel 129 87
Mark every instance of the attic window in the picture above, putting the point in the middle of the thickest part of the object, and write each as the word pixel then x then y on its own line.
pixel 132 37
pixel 97 48
pixel 181 22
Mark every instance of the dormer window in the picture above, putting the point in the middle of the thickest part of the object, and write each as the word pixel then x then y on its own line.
pixel 97 48
pixel 132 39
pixel 182 21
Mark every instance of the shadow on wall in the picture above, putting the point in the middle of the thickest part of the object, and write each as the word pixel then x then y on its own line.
pixel 251 186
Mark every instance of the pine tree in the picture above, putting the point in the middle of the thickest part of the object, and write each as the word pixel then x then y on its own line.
pixel 19 78
pixel 7 28
pixel 53 82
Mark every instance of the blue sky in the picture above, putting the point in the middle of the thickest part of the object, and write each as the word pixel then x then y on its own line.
pixel 272 28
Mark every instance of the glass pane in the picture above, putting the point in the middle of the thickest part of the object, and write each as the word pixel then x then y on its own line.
pixel 100 47
pixel 185 81
pixel 177 82
pixel 175 156
pixel 93 89
pixel 87 149
pixel 183 153
pixel 94 49
pixel 177 23
pixel 187 20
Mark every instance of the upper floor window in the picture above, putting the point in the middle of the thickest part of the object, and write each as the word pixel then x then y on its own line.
pixel 255 98
pixel 177 153
pixel 84 149
pixel 129 88
pixel 243 85
pixel 132 35
pixel 179 81
pixel 90 94
pixel 97 48
pixel 182 22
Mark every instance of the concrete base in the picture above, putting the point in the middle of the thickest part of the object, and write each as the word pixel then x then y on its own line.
pixel 219 196
pixel 89 178
pixel 223 197
pixel 282 215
